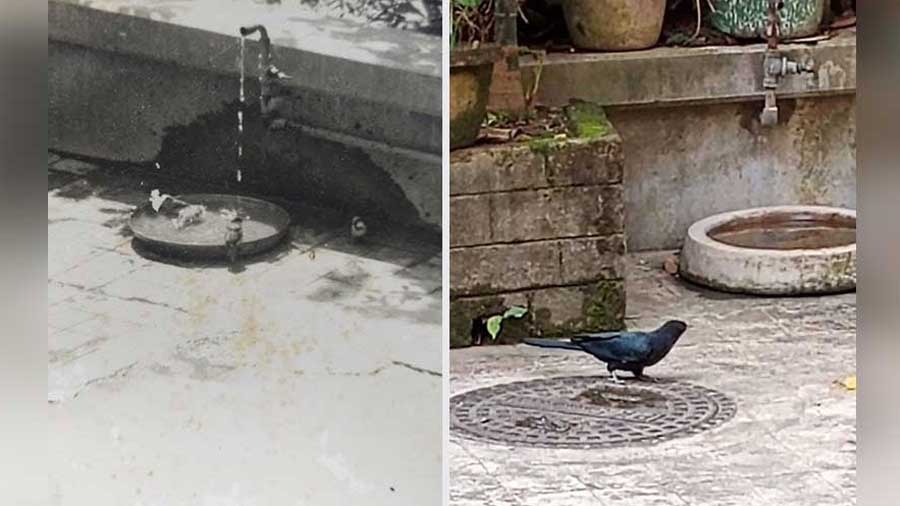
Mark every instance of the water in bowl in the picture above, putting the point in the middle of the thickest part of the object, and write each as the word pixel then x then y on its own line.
pixel 788 232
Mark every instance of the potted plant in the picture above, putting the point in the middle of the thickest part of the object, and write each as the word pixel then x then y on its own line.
pixel 747 19
pixel 614 25
pixel 472 58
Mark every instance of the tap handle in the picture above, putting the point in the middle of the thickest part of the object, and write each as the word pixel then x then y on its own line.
pixel 773 23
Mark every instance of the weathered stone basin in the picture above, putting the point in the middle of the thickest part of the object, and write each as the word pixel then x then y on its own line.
pixel 780 250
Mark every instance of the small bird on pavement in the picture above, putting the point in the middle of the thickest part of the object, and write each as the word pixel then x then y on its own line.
pixel 622 351
pixel 358 228
pixel 233 235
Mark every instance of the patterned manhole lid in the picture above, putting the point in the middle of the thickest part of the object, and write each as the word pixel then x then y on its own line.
pixel 587 412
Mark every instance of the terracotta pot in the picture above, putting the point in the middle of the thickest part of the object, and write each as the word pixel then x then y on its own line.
pixel 471 73
pixel 614 25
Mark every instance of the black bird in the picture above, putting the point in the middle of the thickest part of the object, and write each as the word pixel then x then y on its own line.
pixel 622 351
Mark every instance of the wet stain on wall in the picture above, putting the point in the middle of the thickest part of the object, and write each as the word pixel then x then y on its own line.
pixel 289 162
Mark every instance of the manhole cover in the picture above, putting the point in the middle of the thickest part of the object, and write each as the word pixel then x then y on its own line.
pixel 587 412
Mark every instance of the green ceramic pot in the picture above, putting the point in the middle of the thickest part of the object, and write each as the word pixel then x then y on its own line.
pixel 746 19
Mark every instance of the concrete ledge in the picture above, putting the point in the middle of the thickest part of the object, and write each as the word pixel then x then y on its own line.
pixel 671 76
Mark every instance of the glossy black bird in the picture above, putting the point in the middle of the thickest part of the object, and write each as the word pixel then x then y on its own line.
pixel 622 351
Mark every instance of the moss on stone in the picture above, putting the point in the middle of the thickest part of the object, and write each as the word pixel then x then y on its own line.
pixel 543 145
pixel 587 120
pixel 462 312
pixel 513 330
pixel 604 307
pixel 467 117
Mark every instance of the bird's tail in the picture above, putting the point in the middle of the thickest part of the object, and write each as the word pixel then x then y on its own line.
pixel 550 343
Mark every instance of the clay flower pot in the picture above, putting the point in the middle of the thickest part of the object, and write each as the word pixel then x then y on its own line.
pixel 471 73
pixel 614 25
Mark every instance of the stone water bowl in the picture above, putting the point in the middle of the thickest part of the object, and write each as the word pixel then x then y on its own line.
pixel 779 250
pixel 264 226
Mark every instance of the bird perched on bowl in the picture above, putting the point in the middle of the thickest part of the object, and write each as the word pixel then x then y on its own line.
pixel 622 351
pixel 234 233
pixel 358 228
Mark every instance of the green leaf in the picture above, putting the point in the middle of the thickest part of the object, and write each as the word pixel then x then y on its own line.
pixel 493 326
pixel 515 312
pixel 468 3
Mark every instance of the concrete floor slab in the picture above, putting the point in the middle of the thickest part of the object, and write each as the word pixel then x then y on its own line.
pixel 792 441
pixel 188 384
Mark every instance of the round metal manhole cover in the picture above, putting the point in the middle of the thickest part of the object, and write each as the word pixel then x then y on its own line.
pixel 587 412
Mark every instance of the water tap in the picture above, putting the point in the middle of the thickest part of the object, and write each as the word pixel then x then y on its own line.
pixel 271 89
pixel 776 65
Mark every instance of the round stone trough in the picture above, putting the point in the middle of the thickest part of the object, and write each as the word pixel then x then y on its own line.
pixel 264 226
pixel 778 250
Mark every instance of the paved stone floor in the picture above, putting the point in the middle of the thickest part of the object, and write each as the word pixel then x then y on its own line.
pixel 187 384
pixel 792 441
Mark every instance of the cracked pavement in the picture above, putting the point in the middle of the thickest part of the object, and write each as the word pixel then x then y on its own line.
pixel 186 384
pixel 792 440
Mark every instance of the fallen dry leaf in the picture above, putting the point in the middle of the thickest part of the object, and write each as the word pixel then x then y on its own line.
pixel 849 383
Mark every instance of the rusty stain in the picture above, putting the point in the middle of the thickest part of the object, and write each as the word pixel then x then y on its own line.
pixel 749 117
pixel 813 152
pixel 249 333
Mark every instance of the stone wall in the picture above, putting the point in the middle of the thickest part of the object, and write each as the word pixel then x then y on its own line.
pixel 689 162
pixel 688 118
pixel 541 226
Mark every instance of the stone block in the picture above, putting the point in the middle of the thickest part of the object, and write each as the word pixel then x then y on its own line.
pixel 496 169
pixel 536 165
pixel 556 213
pixel 470 220
pixel 532 215
pixel 586 162
pixel 507 267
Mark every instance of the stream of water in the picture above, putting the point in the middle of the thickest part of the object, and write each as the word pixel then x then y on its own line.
pixel 240 114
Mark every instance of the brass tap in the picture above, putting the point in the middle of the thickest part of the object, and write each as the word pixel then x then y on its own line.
pixel 775 65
